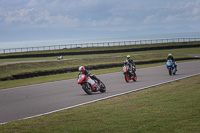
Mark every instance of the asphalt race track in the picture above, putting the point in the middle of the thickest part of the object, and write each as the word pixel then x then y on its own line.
pixel 35 100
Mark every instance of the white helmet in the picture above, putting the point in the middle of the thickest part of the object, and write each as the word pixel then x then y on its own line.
pixel 81 68
pixel 169 55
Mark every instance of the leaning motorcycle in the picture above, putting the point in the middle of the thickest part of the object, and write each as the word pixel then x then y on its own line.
pixel 171 67
pixel 87 87
pixel 128 74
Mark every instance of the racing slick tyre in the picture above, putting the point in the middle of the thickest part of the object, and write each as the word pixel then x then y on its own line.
pixel 170 71
pixel 127 79
pixel 103 87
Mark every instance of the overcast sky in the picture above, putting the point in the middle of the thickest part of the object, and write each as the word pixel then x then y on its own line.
pixel 68 19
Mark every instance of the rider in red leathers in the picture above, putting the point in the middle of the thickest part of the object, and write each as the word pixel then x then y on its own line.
pixel 94 85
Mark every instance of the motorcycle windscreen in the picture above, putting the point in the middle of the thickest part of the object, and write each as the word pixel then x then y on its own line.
pixel 81 78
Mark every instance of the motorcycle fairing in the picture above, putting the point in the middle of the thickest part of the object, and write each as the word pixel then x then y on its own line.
pixel 83 79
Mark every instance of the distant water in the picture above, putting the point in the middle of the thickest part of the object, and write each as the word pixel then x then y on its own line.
pixel 8 45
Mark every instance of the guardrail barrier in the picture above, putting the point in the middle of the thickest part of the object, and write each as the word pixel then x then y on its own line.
pixel 101 44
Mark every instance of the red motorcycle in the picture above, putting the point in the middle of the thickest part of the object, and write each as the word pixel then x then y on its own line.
pixel 90 84
pixel 128 74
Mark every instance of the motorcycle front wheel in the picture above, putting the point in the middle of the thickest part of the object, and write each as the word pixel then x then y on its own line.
pixel 87 88
pixel 126 76
pixel 170 71
pixel 103 87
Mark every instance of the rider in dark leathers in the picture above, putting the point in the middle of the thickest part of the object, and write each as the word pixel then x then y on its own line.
pixel 131 63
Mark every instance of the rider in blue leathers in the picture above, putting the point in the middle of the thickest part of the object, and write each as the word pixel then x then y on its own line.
pixel 170 57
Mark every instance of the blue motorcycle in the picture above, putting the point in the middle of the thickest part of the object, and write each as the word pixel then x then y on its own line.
pixel 171 67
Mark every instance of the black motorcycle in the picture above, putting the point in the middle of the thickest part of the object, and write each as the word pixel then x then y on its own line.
pixel 128 74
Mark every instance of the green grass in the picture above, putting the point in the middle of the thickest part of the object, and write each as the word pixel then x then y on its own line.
pixel 7 70
pixel 78 60
pixel 65 76
pixel 11 69
pixel 84 49
pixel 57 77
pixel 173 107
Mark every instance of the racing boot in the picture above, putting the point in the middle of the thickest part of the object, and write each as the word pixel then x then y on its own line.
pixel 98 88
pixel 134 68
pixel 132 74
pixel 175 66
pixel 135 77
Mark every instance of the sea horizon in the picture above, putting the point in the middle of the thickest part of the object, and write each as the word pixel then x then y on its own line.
pixel 42 43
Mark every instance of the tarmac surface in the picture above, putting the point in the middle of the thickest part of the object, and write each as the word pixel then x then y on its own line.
pixel 195 55
pixel 39 99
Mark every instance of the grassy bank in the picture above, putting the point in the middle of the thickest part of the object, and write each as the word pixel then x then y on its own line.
pixel 57 77
pixel 172 107
pixel 76 61
pixel 50 63
pixel 8 70
pixel 64 76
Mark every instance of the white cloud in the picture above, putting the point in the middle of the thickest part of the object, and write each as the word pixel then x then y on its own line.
pixel 34 16
pixel 176 13
pixel 150 19
pixel 32 3
pixel 56 19
pixel 98 14
pixel 2 12
pixel 18 15
pixel 186 11
pixel 110 21
pixel 173 18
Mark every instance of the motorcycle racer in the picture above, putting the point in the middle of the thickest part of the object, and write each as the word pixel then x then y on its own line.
pixel 129 61
pixel 94 85
pixel 170 57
